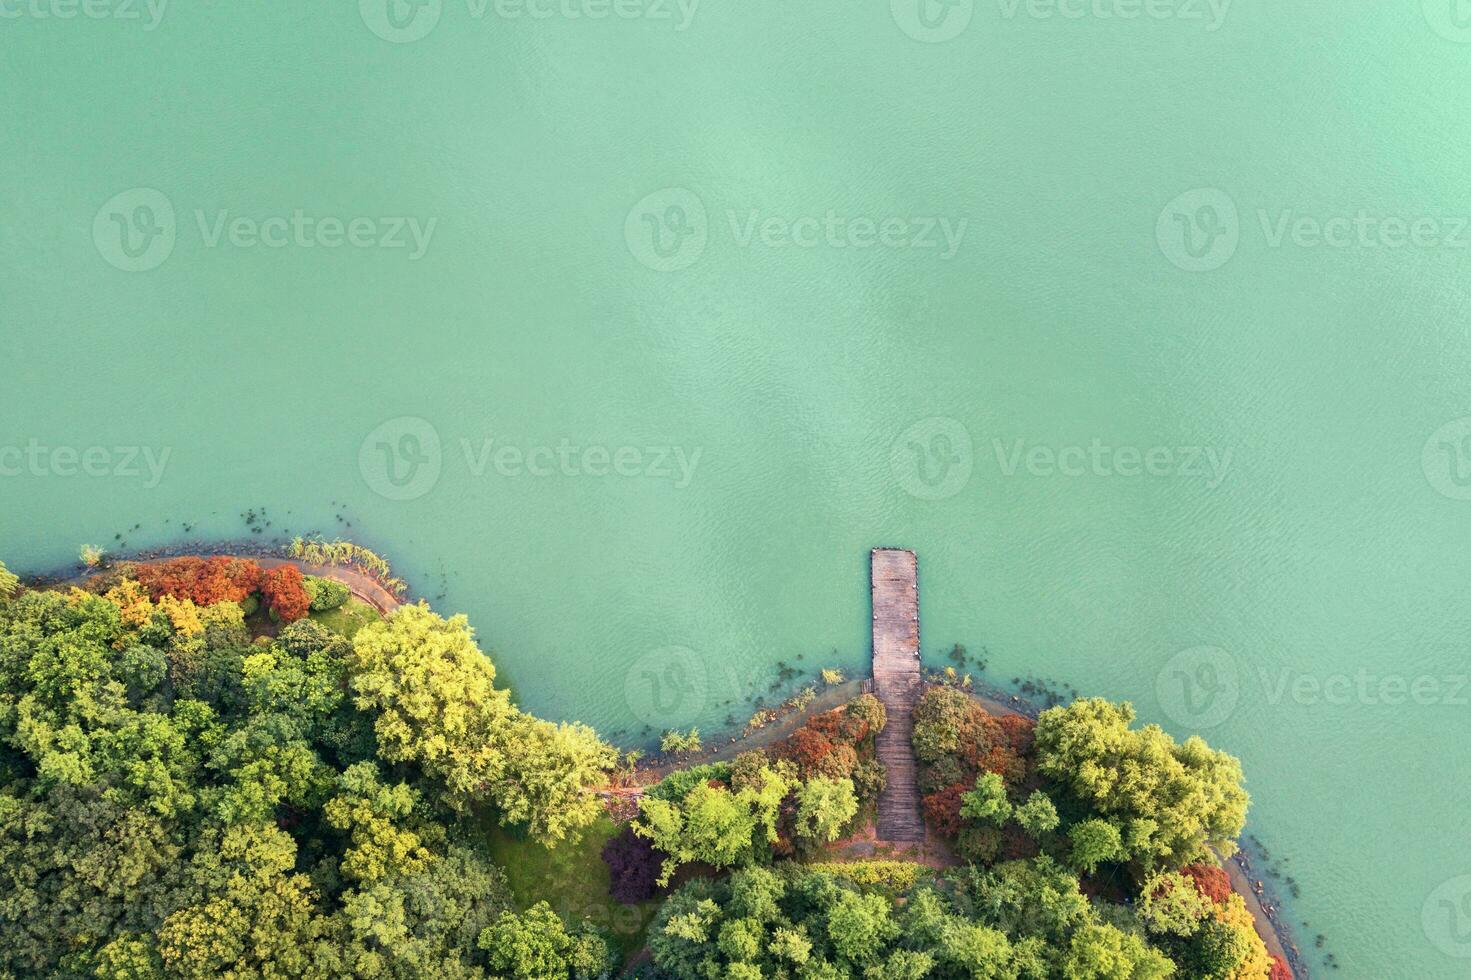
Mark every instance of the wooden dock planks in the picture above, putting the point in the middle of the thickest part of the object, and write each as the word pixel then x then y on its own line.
pixel 894 580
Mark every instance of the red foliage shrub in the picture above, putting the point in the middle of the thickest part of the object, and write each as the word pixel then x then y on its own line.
pixel 942 809
pixel 839 725
pixel 286 594
pixel 806 748
pixel 1210 881
pixel 839 763
pixel 204 581
pixel 1017 733
pixel 1280 969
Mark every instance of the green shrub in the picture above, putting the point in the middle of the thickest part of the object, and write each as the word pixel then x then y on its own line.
pixel 325 593
pixel 677 785
pixel 251 605
pixel 978 844
pixel 894 876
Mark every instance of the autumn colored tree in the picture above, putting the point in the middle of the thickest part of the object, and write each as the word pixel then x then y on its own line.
pixel 1280 969
pixel 942 810
pixel 203 581
pixel 1209 880
pixel 286 593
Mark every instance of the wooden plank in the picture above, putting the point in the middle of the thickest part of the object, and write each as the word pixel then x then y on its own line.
pixel 894 583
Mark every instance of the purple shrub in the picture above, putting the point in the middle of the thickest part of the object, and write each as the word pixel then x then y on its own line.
pixel 633 867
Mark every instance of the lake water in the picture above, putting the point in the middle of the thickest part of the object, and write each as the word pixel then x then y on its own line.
pixel 630 327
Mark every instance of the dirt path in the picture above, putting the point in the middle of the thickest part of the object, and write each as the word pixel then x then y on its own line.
pixel 361 585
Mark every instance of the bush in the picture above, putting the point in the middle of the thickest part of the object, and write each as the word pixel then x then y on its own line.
pixel 893 876
pixel 633 867
pixel 942 809
pixel 1210 881
pixel 979 844
pixel 677 785
pixel 325 593
pixel 285 594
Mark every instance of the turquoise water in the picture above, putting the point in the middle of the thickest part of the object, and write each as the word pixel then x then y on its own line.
pixel 796 282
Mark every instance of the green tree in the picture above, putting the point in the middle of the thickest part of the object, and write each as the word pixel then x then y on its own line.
pixel 711 824
pixel 860 926
pixel 434 701
pixel 1170 904
pixel 1102 952
pixel 375 815
pixel 1037 816
pixel 1094 842
pixel 1172 802
pixel 824 807
pixel 536 945
pixel 9 582
pixel 987 803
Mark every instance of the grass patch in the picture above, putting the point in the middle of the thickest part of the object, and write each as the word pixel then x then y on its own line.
pixel 573 880
pixel 348 618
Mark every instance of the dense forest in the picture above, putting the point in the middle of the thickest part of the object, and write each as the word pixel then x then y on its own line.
pixel 203 774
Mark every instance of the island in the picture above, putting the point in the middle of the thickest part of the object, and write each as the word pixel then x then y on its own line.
pixel 236 765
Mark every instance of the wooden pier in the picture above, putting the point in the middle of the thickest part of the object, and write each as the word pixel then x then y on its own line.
pixel 894 579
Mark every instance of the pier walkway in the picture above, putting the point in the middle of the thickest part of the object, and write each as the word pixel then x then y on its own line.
pixel 894 579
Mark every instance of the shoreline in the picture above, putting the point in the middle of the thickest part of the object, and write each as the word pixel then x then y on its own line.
pixel 1265 905
pixel 268 555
